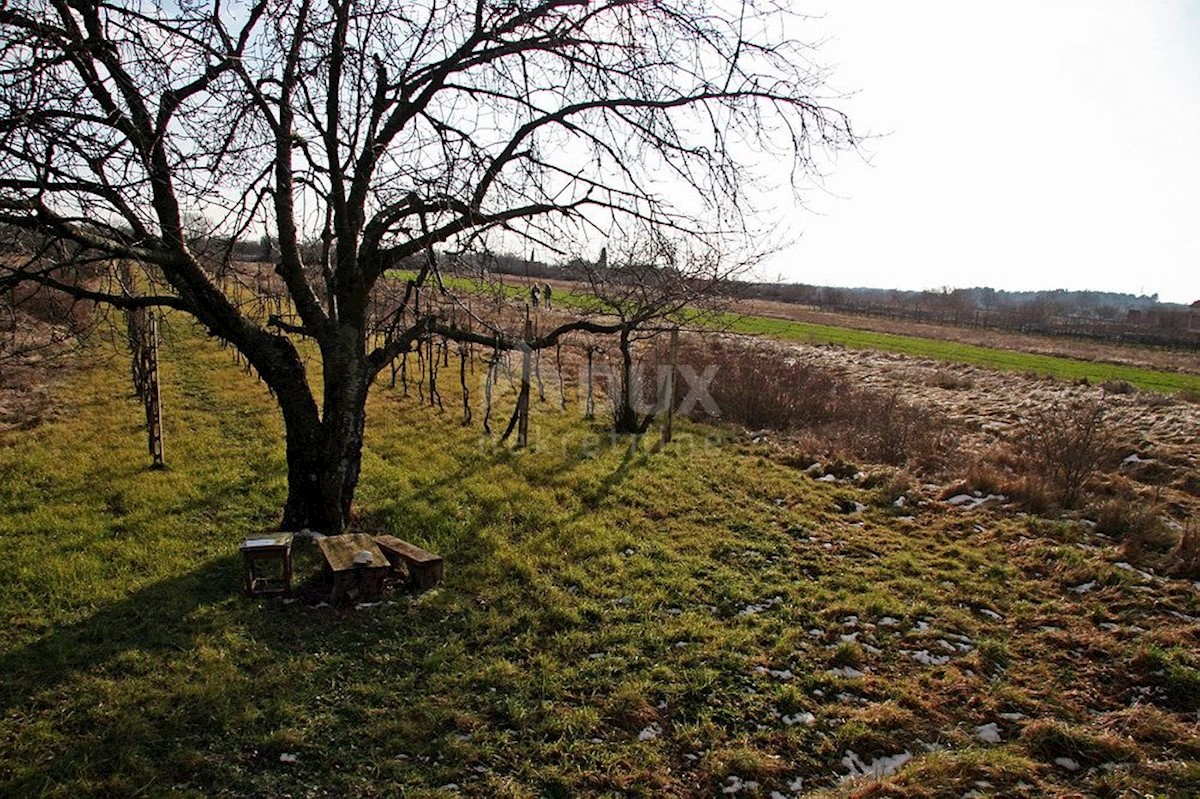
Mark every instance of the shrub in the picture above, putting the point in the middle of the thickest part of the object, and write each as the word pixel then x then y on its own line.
pixel 1184 560
pixel 950 381
pixel 1118 387
pixel 760 389
pixel 1189 395
pixel 1120 517
pixel 1064 446
pixel 885 429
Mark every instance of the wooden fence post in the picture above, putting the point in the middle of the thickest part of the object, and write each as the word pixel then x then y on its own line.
pixel 153 397
pixel 670 389
pixel 590 406
pixel 523 397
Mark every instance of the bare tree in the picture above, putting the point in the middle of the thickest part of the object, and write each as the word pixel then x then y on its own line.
pixel 644 288
pixel 361 134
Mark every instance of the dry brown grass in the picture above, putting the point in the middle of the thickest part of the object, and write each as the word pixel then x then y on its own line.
pixel 758 389
pixel 1184 558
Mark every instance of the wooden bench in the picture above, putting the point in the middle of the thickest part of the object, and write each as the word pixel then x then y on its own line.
pixel 425 568
pixel 353 575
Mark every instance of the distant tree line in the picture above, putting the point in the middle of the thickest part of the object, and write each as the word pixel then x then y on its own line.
pixel 1097 315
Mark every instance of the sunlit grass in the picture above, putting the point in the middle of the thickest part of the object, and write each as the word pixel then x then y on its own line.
pixel 615 620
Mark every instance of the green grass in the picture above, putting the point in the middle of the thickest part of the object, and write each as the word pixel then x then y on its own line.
pixel 1068 369
pixel 615 621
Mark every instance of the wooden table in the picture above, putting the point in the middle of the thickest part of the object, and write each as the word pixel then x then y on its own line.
pixel 353 574
pixel 264 549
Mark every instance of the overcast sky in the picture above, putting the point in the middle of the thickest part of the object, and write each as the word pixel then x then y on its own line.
pixel 1020 145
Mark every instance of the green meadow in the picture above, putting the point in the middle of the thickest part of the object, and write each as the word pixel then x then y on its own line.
pixel 1060 368
pixel 618 619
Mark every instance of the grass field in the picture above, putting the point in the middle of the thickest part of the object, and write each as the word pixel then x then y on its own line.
pixel 1069 369
pixel 614 622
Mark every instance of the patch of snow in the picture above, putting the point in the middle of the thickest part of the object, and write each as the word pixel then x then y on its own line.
pixel 803 717
pixel 922 656
pixel 650 733
pixel 750 610
pixel 845 671
pixel 850 638
pixel 991 614
pixel 988 733
pixel 1083 588
pixel 1067 763
pixel 1012 716
pixel 888 621
pixel 878 768
pixel 900 501
pixel 1135 458
pixel 735 785
pixel 969 502
pixel 784 674
pixel 288 757
pixel 829 478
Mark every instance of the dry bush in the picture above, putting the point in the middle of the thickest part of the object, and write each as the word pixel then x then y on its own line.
pixel 1121 517
pixel 1189 395
pixel 883 428
pixel 943 378
pixel 1184 559
pixel 760 389
pixel 1064 446
pixel 763 389
pixel 1118 387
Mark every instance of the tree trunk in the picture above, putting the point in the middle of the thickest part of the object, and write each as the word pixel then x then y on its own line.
pixel 324 454
pixel 626 420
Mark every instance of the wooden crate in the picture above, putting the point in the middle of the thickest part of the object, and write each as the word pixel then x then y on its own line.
pixel 351 578
pixel 259 551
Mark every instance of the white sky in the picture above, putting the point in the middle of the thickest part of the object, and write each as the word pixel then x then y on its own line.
pixel 1021 145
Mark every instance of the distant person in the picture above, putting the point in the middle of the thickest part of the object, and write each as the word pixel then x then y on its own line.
pixel 546 296
pixel 533 294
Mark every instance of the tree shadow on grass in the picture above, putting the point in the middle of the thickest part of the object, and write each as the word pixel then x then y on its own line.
pixel 158 618
pixel 183 682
